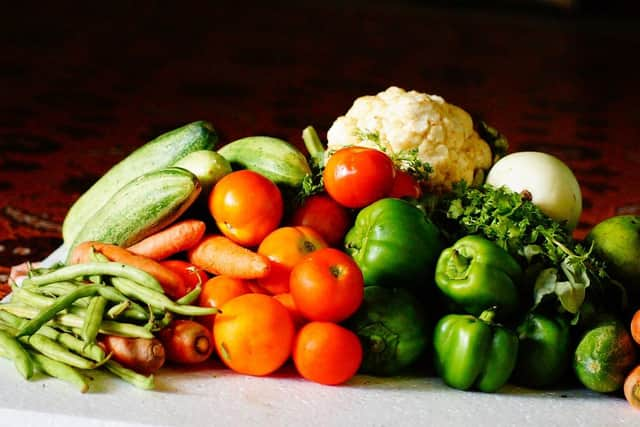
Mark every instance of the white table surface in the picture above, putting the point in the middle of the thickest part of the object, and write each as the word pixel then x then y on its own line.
pixel 213 395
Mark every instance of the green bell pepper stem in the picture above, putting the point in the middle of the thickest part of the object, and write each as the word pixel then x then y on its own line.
pixel 477 274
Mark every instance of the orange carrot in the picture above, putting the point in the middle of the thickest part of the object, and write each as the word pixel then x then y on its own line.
pixel 143 355
pixel 171 281
pixel 218 254
pixel 187 341
pixel 180 236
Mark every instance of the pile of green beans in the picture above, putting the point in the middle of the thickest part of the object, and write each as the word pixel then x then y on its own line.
pixel 52 322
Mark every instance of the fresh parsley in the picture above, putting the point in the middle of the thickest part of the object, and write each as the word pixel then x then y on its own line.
pixel 562 266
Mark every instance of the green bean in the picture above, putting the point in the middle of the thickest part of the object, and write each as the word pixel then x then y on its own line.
pixel 14 351
pixel 135 311
pixel 92 268
pixel 60 304
pixel 53 350
pixel 37 300
pixel 90 351
pixel 60 370
pixel 93 319
pixel 157 299
pixel 118 309
pixel 191 296
pixel 31 298
pixel 130 376
pixel 74 321
pixel 129 314
pixel 55 289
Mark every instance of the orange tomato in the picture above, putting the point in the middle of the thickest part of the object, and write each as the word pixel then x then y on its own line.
pixel 325 215
pixel 287 300
pixel 191 275
pixel 326 353
pixel 327 285
pixel 635 327
pixel 217 291
pixel 246 206
pixel 253 334
pixel 357 176
pixel 405 185
pixel 285 247
pixel 631 387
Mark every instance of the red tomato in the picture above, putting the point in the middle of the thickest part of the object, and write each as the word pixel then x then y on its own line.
pixel 327 285
pixel 246 206
pixel 285 247
pixel 326 353
pixel 357 176
pixel 405 185
pixel 190 274
pixel 326 216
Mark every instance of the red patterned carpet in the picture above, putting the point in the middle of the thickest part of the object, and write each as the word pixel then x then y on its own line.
pixel 81 88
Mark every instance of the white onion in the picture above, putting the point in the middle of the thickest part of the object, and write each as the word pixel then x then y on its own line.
pixel 552 185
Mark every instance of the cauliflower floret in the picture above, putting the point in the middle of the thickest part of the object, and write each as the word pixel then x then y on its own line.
pixel 396 121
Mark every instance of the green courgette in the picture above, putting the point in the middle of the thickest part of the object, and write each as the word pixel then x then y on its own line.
pixel 157 154
pixel 273 158
pixel 142 207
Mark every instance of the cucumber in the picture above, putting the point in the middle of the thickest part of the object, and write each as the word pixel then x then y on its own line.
pixel 142 207
pixel 157 154
pixel 273 158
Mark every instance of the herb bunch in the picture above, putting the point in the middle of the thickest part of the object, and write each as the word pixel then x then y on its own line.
pixel 563 267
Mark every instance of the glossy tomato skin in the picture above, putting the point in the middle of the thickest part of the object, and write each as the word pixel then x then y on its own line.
pixel 190 274
pixel 217 291
pixel 246 206
pixel 254 334
pixel 405 185
pixel 326 353
pixel 285 247
pixel 327 286
pixel 357 176
pixel 326 216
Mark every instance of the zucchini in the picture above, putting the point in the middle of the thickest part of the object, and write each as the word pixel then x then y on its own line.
pixel 273 158
pixel 142 207
pixel 161 152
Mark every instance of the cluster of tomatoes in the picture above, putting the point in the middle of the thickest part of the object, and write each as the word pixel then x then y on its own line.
pixel 295 311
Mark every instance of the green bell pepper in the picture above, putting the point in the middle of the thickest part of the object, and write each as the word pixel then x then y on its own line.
pixel 393 329
pixel 474 352
pixel 394 244
pixel 477 274
pixel 545 352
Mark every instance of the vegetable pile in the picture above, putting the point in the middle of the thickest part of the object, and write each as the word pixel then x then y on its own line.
pixel 374 254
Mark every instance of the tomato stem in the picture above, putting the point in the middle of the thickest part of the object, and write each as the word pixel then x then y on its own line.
pixel 336 271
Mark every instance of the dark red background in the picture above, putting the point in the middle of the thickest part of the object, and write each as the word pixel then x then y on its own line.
pixel 81 86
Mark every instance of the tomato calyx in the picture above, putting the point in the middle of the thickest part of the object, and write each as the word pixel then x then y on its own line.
pixel 336 270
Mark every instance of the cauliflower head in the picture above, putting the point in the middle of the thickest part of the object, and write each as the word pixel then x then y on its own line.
pixel 396 121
